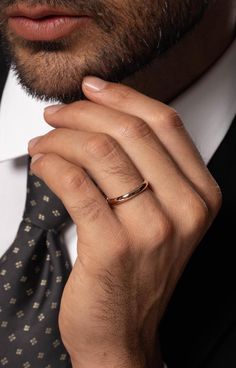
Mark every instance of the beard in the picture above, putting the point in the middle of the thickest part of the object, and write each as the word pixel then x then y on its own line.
pixel 123 37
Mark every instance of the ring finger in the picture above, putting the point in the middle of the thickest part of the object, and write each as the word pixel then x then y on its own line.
pixel 103 159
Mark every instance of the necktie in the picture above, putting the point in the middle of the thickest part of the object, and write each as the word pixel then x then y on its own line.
pixel 33 273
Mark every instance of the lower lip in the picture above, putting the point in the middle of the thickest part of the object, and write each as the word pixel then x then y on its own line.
pixel 45 29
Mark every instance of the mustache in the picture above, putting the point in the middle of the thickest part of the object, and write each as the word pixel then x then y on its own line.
pixel 105 14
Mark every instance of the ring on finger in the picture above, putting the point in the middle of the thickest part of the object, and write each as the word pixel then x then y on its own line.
pixel 126 197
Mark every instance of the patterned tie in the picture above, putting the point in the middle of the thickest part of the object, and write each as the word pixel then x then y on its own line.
pixel 33 273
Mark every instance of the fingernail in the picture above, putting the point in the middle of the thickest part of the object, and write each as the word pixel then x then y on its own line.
pixel 94 84
pixel 33 142
pixel 52 109
pixel 36 157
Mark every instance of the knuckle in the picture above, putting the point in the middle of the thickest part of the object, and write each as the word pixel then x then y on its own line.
pixel 45 162
pixel 198 215
pixel 159 231
pixel 164 229
pixel 134 128
pixel 52 136
pixel 170 119
pixel 216 199
pixel 89 208
pixel 120 94
pixel 80 107
pixel 77 110
pixel 101 146
pixel 124 172
pixel 74 178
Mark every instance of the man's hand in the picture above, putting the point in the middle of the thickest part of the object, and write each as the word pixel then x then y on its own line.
pixel 130 256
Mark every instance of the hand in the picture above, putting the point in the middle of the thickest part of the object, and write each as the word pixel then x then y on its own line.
pixel 130 256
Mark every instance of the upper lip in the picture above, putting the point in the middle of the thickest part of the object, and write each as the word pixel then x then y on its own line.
pixel 39 11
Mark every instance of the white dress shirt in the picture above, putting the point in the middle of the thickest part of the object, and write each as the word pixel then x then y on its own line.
pixel 207 108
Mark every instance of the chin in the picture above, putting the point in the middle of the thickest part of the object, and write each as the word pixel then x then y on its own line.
pixel 51 89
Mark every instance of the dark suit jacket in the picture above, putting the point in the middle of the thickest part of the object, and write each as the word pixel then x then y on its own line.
pixel 199 327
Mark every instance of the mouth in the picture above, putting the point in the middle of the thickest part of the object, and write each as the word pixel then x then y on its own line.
pixel 40 23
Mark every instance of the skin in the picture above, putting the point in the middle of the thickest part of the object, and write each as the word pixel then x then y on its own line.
pixel 120 37
pixel 130 255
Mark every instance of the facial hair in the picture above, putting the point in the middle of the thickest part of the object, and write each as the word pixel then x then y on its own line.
pixel 125 36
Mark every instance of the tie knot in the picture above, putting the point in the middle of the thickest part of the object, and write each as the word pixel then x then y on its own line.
pixel 43 208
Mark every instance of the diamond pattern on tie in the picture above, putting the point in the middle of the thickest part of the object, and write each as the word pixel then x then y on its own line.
pixel 33 273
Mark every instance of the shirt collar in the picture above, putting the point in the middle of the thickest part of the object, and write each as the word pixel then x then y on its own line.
pixel 207 109
pixel 21 118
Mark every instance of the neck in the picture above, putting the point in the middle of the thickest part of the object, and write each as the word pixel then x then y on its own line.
pixel 173 72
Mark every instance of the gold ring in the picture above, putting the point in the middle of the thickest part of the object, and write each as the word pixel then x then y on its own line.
pixel 126 197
